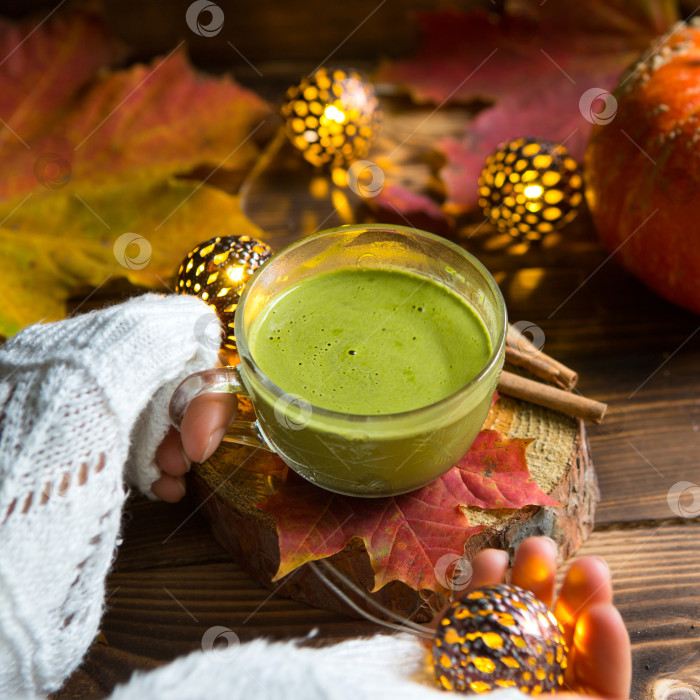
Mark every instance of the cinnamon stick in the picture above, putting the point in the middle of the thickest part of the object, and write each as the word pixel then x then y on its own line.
pixel 550 397
pixel 521 352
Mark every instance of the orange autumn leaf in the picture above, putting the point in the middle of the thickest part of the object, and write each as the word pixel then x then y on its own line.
pixel 57 243
pixel 405 536
pixel 91 155
pixel 69 124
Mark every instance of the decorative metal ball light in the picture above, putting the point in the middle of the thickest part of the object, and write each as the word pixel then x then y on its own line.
pixel 217 271
pixel 499 636
pixel 332 116
pixel 530 187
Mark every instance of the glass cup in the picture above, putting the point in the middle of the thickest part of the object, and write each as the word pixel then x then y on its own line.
pixel 360 455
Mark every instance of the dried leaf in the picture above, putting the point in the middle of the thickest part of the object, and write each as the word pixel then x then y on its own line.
pixel 531 65
pixel 91 155
pixel 405 536
pixel 138 125
pixel 57 243
pixel 465 56
pixel 44 68
pixel 494 474
pixel 157 120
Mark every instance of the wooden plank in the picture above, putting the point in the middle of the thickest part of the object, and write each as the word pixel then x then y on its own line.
pixel 656 579
pixel 162 613
pixel 165 534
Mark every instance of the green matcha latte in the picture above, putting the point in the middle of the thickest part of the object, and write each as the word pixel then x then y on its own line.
pixel 371 363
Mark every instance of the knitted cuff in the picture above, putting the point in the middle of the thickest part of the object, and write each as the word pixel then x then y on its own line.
pixel 137 352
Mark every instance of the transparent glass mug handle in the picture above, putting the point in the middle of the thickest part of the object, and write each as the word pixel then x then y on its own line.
pixel 221 380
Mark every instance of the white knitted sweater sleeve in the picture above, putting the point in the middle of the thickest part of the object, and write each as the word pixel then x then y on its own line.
pixel 83 404
pixel 72 396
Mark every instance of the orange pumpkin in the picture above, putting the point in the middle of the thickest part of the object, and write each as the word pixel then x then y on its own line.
pixel 642 169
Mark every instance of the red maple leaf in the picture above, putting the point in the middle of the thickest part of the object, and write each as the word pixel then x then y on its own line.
pixel 162 119
pixel 405 536
pixel 44 66
pixel 494 474
pixel 531 67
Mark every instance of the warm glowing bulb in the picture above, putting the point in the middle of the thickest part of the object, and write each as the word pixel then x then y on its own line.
pixel 529 188
pixel 533 191
pixel 334 114
pixel 332 117
pixel 498 636
pixel 216 271
pixel 235 274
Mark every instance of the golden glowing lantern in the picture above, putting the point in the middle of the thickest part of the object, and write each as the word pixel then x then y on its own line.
pixel 332 116
pixel 499 636
pixel 530 187
pixel 217 271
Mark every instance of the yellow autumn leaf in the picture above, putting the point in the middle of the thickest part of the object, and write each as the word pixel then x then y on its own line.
pixel 56 243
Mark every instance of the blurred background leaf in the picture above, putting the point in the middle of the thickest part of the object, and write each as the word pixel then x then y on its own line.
pixel 91 153
pixel 525 70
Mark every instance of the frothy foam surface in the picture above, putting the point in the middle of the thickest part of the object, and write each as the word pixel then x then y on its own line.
pixel 369 341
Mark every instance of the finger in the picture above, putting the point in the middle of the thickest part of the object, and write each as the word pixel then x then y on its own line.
pixel 169 488
pixel 587 582
pixel 488 566
pixel 205 423
pixel 535 567
pixel 170 455
pixel 601 662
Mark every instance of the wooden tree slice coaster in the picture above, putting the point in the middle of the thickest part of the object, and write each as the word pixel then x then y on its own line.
pixel 230 484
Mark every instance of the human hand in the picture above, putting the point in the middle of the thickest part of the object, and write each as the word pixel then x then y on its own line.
pixel 203 426
pixel 599 659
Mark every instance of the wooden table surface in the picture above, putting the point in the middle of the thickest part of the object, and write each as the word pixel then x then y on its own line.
pixel 171 580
